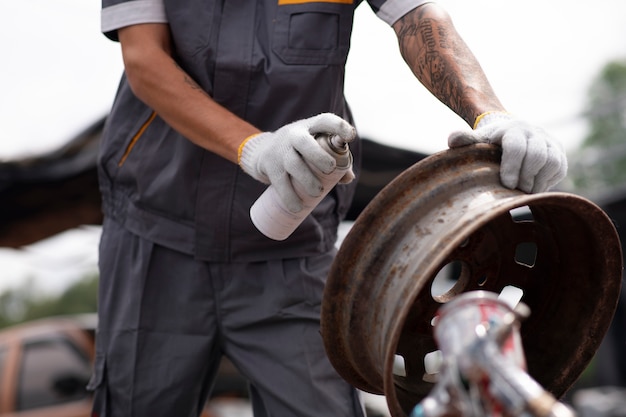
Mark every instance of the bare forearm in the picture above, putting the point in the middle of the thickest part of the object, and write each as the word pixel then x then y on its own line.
pixel 185 106
pixel 159 82
pixel 443 63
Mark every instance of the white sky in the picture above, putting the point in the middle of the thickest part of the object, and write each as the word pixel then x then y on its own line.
pixel 59 74
pixel 540 57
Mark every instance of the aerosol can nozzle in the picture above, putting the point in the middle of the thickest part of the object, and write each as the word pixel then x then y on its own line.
pixel 338 143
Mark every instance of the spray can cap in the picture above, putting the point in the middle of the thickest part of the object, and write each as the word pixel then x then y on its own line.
pixel 334 142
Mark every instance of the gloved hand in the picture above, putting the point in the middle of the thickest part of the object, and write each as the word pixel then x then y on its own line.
pixel 290 153
pixel 531 160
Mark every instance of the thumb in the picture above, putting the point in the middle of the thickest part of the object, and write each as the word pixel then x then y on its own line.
pixel 347 178
pixel 462 138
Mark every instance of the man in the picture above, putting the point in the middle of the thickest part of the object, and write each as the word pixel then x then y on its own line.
pixel 219 99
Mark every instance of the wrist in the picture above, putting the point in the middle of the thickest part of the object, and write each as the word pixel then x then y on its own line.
pixel 242 145
pixel 490 117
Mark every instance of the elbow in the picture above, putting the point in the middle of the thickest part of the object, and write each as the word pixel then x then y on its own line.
pixel 138 74
pixel 426 29
pixel 435 11
pixel 146 50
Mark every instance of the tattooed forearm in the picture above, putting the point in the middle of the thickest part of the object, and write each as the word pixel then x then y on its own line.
pixel 430 65
pixel 443 63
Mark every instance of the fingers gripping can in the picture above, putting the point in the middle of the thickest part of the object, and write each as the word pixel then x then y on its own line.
pixel 274 220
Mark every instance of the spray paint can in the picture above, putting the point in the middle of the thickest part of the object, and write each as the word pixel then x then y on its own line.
pixel 274 220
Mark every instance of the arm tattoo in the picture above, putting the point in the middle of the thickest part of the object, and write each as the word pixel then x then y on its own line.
pixel 443 63
pixel 190 81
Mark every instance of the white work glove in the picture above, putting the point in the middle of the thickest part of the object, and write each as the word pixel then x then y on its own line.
pixel 532 161
pixel 292 153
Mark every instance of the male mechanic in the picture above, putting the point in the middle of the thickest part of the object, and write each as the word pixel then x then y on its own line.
pixel 220 98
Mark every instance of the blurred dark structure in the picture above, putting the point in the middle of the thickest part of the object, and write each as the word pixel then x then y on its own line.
pixel 51 193
pixel 610 366
pixel 379 165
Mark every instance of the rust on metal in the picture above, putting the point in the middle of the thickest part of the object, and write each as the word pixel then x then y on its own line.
pixel 450 209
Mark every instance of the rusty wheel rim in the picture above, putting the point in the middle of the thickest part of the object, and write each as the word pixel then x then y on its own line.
pixel 450 209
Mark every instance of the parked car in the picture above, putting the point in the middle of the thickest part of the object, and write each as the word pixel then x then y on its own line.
pixel 45 366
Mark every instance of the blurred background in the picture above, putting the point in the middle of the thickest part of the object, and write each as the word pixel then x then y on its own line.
pixel 559 64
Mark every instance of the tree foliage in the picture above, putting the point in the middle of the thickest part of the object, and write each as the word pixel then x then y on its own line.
pixel 606 111
pixel 25 303
pixel 600 164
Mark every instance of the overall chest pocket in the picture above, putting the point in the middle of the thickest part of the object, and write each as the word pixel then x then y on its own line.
pixel 313 33
pixel 194 24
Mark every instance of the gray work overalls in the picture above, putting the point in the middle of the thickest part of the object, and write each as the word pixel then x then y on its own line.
pixel 185 276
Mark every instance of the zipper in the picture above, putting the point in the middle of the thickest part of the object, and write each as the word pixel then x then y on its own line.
pixel 135 138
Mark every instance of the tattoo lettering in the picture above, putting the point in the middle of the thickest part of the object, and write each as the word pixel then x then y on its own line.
pixel 190 81
pixel 442 62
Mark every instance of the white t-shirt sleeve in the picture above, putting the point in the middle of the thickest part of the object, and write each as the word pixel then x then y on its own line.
pixel 391 11
pixel 116 15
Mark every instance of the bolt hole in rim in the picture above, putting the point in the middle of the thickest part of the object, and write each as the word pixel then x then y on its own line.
pixel 450 211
